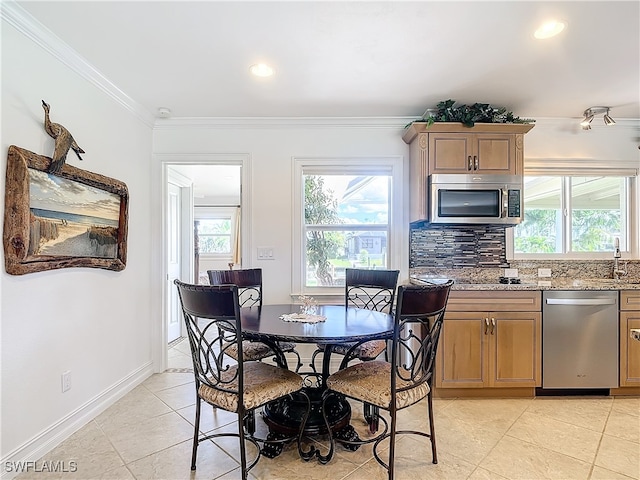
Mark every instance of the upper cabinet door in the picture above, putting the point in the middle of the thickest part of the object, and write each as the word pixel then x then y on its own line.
pixel 496 154
pixel 472 153
pixel 451 153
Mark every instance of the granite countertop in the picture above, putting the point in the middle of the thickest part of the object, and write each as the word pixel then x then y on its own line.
pixel 549 284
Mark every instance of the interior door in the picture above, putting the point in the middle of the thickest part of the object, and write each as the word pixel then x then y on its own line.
pixel 174 265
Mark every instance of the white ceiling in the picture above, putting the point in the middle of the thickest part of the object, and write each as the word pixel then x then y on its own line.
pixel 213 184
pixel 357 59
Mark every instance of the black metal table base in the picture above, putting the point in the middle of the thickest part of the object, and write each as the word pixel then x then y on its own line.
pixel 283 418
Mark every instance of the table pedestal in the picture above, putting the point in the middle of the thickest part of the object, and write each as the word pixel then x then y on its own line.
pixel 283 417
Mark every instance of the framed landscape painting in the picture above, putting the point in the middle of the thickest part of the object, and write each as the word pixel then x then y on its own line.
pixel 73 218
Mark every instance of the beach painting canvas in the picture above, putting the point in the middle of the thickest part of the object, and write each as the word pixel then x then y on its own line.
pixel 69 218
pixel 73 218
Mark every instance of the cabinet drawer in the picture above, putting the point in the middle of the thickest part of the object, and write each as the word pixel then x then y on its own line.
pixel 494 301
pixel 630 300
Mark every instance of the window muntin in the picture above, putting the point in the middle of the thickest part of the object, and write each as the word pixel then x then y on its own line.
pixel 346 224
pixel 573 214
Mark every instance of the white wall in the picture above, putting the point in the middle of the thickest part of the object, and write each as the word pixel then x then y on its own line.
pixel 559 139
pixel 93 322
pixel 272 146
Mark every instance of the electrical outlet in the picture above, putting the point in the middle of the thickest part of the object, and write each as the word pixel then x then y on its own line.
pixel 544 272
pixel 66 381
pixel 511 272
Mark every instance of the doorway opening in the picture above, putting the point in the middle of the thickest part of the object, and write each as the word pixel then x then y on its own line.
pixel 205 215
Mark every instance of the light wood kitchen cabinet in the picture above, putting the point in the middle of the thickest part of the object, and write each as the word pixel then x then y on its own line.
pixel 474 153
pixel 499 347
pixel 488 148
pixel 629 348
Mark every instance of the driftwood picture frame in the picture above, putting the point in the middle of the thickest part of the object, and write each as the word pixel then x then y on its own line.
pixel 73 218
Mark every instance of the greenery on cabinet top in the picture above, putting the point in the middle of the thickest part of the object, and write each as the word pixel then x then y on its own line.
pixel 468 115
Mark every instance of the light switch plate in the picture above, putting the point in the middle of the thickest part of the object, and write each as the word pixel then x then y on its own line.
pixel 266 253
pixel 511 272
pixel 544 272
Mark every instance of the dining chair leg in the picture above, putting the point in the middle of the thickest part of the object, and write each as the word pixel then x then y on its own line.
pixel 194 452
pixel 392 443
pixel 432 429
pixel 371 416
pixel 243 450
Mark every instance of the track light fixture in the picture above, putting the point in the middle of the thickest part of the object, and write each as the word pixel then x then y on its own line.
pixel 591 112
pixel 607 119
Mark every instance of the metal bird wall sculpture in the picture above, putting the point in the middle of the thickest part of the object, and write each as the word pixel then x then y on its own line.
pixel 63 141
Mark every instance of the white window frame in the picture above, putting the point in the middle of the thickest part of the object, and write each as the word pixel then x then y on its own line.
pixel 578 169
pixel 388 165
pixel 215 213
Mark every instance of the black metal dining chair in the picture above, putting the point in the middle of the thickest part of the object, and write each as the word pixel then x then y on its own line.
pixel 230 383
pixel 249 283
pixel 406 379
pixel 371 290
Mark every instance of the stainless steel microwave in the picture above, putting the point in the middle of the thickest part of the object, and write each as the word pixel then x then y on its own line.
pixel 462 198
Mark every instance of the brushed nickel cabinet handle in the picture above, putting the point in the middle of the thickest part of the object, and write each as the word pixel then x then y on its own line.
pixel 493 325
pixel 486 325
pixel 470 164
pixel 476 163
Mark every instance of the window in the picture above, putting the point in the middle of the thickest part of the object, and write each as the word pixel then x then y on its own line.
pixel 345 217
pixel 214 235
pixel 215 230
pixel 580 215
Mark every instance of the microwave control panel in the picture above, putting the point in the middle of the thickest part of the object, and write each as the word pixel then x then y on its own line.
pixel 513 209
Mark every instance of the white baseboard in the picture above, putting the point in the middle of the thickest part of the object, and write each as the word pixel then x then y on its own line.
pixel 51 437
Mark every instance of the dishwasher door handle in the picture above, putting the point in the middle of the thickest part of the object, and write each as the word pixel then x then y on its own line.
pixel 581 301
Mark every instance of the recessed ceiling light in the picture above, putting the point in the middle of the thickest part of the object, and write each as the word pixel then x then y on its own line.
pixel 261 70
pixel 550 29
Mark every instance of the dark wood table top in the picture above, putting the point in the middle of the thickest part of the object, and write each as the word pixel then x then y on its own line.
pixel 342 324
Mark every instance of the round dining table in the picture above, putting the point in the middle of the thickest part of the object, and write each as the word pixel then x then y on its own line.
pixel 341 325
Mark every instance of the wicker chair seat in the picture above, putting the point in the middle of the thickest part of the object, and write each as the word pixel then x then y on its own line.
pixel 366 351
pixel 371 383
pixel 257 350
pixel 262 383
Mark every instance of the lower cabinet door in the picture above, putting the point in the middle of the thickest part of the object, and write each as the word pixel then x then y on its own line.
pixel 490 349
pixel 629 350
pixel 515 349
pixel 462 351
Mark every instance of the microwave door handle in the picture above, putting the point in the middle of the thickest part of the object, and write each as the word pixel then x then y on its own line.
pixel 505 203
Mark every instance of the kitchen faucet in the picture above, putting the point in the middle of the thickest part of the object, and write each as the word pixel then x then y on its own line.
pixel 617 270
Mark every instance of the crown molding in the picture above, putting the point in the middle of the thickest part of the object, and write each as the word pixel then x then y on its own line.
pixel 347 122
pixel 286 122
pixel 26 24
pixel 574 123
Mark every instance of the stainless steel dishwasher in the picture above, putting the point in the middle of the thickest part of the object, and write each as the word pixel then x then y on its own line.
pixel 580 339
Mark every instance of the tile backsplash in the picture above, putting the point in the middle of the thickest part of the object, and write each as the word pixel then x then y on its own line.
pixel 478 253
pixel 459 246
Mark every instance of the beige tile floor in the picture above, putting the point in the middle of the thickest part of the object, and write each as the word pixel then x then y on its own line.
pixel 147 435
